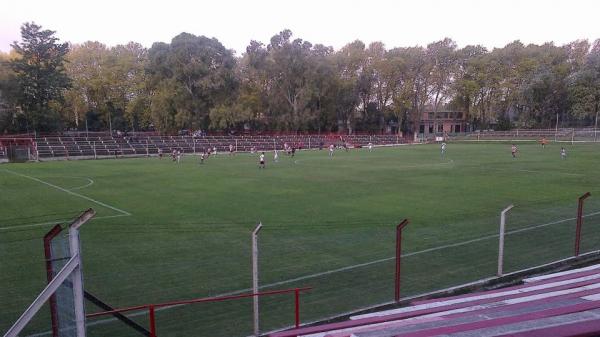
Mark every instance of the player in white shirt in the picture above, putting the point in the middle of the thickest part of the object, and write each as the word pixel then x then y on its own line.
pixel 230 149
pixel 370 147
pixel 563 153
pixel 443 149
pixel 331 150
pixel 215 150
pixel 261 161
pixel 276 156
pixel 178 156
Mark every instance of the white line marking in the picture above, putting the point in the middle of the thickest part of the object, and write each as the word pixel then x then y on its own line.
pixel 90 183
pixel 69 192
pixel 56 222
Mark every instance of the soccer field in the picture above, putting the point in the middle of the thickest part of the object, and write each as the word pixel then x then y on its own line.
pixel 166 231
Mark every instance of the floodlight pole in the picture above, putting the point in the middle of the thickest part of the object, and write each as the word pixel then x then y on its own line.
pixel 399 257
pixel 501 239
pixel 596 124
pixel 579 221
pixel 255 276
pixel 556 130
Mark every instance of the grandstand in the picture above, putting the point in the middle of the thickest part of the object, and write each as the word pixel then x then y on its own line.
pixel 103 145
pixel 559 304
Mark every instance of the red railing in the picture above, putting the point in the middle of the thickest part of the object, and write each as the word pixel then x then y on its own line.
pixel 152 307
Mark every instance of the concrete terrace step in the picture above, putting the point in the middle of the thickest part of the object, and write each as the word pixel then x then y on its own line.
pixel 559 304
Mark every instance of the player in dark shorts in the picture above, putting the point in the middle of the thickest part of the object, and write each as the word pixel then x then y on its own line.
pixel 293 150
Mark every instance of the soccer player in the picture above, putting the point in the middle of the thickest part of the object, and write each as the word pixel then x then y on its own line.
pixel 202 158
pixel 293 150
pixel 160 153
pixel 178 156
pixel 544 142
pixel 276 156
pixel 563 153
pixel 215 150
pixel 370 147
pixel 230 149
pixel 261 161
pixel 443 149
pixel 331 150
pixel 514 150
pixel 174 155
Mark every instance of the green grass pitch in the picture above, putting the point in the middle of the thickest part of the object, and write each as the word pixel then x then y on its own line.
pixel 167 231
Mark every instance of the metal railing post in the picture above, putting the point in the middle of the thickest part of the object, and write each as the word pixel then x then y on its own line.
pixel 501 239
pixel 152 321
pixel 399 256
pixel 255 277
pixel 579 221
pixel 297 306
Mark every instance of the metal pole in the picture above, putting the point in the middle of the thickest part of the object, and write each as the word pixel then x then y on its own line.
pixel 297 306
pixel 579 221
pixel 596 126
pixel 399 256
pixel 77 275
pixel 556 130
pixel 236 145
pixel 255 277
pixel 152 321
pixel 501 241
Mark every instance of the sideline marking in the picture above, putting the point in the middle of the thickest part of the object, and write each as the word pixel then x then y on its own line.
pixel 69 192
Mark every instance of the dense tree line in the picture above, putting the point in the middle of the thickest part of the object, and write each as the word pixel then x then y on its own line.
pixel 194 82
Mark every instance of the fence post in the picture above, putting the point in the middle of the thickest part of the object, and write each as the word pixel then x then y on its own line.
pixel 152 321
pixel 255 277
pixel 501 239
pixel 399 256
pixel 77 275
pixel 297 306
pixel 579 221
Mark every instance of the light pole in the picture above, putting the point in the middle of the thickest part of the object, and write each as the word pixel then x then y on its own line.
pixel 596 126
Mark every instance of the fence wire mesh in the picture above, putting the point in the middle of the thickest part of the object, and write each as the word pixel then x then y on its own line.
pixel 350 266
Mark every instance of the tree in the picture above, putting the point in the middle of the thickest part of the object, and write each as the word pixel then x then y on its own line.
pixel 442 55
pixel 40 75
pixel 188 78
pixel 584 88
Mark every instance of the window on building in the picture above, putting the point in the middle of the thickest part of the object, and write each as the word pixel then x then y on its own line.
pixel 440 128
pixel 422 129
pixel 431 129
pixel 457 128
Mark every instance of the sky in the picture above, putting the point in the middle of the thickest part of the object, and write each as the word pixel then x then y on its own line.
pixel 491 23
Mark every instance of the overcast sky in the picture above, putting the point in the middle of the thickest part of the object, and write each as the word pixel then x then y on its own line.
pixel 492 23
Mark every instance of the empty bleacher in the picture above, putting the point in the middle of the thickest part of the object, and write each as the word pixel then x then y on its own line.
pixel 560 304
pixel 98 145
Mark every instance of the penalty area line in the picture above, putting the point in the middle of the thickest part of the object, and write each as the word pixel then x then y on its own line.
pixel 69 192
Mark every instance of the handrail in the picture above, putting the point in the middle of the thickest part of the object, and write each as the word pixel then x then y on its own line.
pixel 197 300
pixel 152 307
